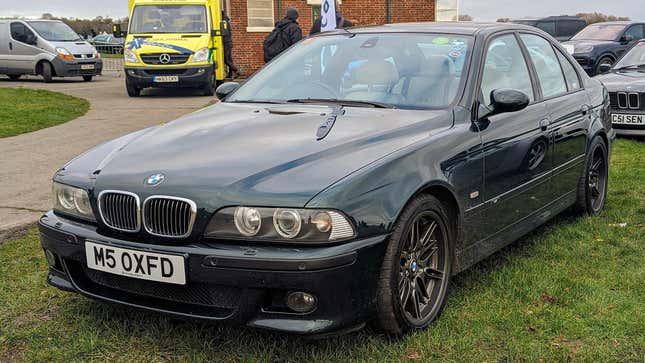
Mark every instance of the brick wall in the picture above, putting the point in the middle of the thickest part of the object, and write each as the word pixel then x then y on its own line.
pixel 247 47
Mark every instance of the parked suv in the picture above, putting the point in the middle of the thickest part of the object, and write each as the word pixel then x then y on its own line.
pixel 560 27
pixel 601 44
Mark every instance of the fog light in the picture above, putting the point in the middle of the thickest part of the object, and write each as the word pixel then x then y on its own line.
pixel 51 258
pixel 301 302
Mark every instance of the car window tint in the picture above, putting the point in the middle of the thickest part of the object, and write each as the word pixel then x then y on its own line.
pixel 505 67
pixel 635 31
pixel 569 27
pixel 547 26
pixel 546 65
pixel 20 32
pixel 570 75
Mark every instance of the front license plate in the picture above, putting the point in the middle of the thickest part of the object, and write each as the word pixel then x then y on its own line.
pixel 87 66
pixel 137 264
pixel 166 79
pixel 627 119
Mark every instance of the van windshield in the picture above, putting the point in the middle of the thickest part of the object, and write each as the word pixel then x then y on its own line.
pixel 55 31
pixel 160 19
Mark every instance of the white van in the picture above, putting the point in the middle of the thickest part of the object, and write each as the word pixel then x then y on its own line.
pixel 48 48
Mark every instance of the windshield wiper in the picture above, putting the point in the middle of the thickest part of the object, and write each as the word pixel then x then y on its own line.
pixel 350 103
pixel 631 66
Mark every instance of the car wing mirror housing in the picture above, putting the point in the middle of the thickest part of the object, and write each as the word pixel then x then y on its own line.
pixel 604 68
pixel 504 101
pixel 226 89
pixel 626 39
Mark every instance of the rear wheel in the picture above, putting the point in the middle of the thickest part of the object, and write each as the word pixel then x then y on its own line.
pixel 47 72
pixel 87 78
pixel 416 269
pixel 14 77
pixel 592 186
pixel 133 91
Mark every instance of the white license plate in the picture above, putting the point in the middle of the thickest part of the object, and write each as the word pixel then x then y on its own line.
pixel 87 66
pixel 627 119
pixel 137 264
pixel 166 79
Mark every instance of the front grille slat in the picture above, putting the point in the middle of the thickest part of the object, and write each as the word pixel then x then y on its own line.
pixel 155 58
pixel 170 217
pixel 627 101
pixel 119 210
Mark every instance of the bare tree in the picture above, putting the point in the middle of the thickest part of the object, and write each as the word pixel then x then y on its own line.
pixel 504 20
pixel 592 18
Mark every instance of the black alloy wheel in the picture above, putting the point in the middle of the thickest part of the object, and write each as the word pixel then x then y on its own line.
pixel 592 187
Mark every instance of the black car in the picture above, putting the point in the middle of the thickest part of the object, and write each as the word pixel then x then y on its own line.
pixel 108 44
pixel 561 27
pixel 601 44
pixel 626 85
pixel 348 179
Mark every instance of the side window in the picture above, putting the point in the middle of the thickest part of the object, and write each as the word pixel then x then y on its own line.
pixel 569 28
pixel 547 26
pixel 546 65
pixel 505 67
pixel 635 31
pixel 20 32
pixel 570 75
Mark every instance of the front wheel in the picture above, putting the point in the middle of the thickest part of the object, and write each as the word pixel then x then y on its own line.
pixel 87 78
pixel 592 185
pixel 209 88
pixel 14 77
pixel 47 72
pixel 133 91
pixel 416 269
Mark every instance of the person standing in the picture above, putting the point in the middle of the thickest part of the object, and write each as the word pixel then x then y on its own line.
pixel 227 39
pixel 341 22
pixel 286 33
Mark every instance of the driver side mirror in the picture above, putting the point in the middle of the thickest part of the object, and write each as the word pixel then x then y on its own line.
pixel 604 68
pixel 626 39
pixel 504 101
pixel 226 89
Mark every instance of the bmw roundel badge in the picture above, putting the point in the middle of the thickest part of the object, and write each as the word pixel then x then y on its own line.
pixel 155 179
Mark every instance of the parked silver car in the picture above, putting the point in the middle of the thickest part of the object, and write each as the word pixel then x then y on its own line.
pixel 48 48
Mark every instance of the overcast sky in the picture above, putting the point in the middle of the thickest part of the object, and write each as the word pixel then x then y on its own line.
pixel 480 9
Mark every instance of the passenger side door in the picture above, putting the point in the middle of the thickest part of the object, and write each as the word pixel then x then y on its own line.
pixel 569 111
pixel 516 146
pixel 22 48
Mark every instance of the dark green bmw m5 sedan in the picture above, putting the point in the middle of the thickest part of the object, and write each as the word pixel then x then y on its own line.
pixel 346 181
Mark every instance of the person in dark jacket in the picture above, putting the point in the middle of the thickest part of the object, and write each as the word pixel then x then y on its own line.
pixel 341 22
pixel 290 26
pixel 227 39
pixel 287 32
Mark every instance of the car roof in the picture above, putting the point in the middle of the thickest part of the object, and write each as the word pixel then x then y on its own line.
pixel 457 27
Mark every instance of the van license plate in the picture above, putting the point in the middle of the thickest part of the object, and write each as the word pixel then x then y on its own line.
pixel 166 79
pixel 137 264
pixel 87 66
pixel 627 119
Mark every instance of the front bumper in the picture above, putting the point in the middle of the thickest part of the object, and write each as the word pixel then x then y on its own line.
pixel 65 68
pixel 587 63
pixel 238 283
pixel 188 77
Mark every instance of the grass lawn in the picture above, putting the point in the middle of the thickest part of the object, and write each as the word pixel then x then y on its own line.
pixel 25 110
pixel 572 291
pixel 113 56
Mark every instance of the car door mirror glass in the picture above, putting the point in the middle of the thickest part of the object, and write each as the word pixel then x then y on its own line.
pixel 505 101
pixel 226 89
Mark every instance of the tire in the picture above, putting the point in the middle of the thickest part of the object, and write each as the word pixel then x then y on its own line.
pixel 14 77
pixel 132 90
pixel 407 271
pixel 47 72
pixel 88 78
pixel 209 88
pixel 592 185
pixel 604 60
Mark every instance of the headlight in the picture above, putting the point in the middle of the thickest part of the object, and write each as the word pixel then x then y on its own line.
pixel 72 201
pixel 96 53
pixel 201 55
pixel 129 56
pixel 584 48
pixel 64 53
pixel 280 224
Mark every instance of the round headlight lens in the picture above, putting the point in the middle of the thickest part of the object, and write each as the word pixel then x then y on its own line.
pixel 66 198
pixel 248 221
pixel 287 222
pixel 82 202
pixel 322 221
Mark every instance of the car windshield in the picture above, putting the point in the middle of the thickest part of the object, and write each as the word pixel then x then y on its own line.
pixel 55 31
pixel 635 57
pixel 599 32
pixel 397 70
pixel 169 19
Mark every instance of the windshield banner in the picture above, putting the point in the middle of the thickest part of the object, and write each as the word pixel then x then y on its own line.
pixel 137 43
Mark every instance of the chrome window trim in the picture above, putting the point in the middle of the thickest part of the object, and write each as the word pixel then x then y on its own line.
pixel 138 212
pixel 191 222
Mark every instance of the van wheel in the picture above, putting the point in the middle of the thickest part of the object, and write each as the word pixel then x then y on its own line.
pixel 592 185
pixel 87 78
pixel 133 91
pixel 14 77
pixel 416 269
pixel 47 72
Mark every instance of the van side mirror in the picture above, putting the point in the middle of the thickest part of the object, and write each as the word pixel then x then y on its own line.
pixel 226 89
pixel 604 68
pixel 504 101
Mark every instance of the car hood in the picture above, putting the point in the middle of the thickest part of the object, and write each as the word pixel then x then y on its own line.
pixel 78 47
pixel 571 45
pixel 255 155
pixel 628 80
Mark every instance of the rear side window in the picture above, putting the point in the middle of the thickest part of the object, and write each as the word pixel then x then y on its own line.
pixel 569 28
pixel 546 65
pixel 20 32
pixel 570 75
pixel 547 26
pixel 505 67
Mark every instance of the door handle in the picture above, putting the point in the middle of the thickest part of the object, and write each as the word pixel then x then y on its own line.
pixel 544 124
pixel 10 46
pixel 584 110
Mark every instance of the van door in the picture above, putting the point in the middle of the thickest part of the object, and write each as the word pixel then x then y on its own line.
pixel 23 48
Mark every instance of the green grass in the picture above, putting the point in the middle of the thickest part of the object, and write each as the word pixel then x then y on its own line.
pixel 571 291
pixel 109 55
pixel 24 110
